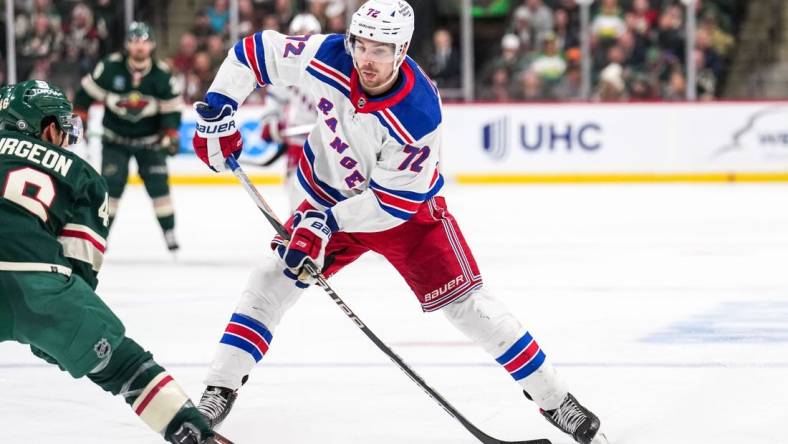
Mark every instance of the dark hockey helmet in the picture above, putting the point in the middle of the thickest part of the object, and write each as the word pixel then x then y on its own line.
pixel 140 31
pixel 26 107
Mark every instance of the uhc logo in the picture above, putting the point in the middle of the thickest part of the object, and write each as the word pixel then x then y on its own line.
pixel 495 138
pixel 539 137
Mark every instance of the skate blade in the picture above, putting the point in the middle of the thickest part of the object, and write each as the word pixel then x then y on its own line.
pixel 219 439
pixel 600 438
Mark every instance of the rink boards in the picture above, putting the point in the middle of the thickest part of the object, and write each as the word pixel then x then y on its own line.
pixel 572 143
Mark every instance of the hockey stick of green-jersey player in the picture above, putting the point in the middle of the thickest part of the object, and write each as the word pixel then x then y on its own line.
pixel 53 208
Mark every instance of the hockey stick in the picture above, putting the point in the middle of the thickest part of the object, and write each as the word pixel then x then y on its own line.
pixel 300 130
pixel 321 280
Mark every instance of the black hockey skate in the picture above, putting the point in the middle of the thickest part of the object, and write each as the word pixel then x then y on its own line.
pixel 216 403
pixel 576 420
pixel 188 434
pixel 172 243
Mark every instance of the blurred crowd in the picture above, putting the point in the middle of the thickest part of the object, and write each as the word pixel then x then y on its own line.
pixel 524 50
pixel 638 50
pixel 62 40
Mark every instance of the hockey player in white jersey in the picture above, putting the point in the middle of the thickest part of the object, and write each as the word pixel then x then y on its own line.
pixel 289 110
pixel 371 178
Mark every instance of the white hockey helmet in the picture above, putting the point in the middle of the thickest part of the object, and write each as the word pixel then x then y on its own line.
pixel 304 23
pixel 384 21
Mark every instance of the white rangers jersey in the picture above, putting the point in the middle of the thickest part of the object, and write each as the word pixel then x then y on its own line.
pixel 371 160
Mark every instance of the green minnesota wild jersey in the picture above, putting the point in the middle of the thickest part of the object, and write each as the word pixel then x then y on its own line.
pixel 137 105
pixel 54 209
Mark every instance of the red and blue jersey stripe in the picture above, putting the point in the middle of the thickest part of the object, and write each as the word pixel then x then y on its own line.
pixel 404 204
pixel 250 51
pixel 247 334
pixel 332 64
pixel 323 193
pixel 523 358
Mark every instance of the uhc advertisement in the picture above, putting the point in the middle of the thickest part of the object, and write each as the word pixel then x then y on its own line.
pixel 623 139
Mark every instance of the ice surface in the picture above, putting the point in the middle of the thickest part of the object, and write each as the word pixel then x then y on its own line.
pixel 664 306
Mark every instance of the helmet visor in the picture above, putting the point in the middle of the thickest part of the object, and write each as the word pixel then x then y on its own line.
pixel 371 51
pixel 72 126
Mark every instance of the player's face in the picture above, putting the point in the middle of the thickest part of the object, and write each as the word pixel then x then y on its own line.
pixel 375 61
pixel 139 50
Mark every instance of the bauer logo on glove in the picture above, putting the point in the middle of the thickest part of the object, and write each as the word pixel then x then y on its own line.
pixel 217 136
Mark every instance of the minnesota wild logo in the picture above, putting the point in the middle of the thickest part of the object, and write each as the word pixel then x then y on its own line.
pixel 134 103
pixel 132 106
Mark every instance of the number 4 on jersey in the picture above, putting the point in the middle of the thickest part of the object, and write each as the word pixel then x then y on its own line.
pixel 103 211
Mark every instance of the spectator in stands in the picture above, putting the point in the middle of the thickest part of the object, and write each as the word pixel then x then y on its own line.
pixel 218 16
pixel 510 59
pixel 710 59
pixel 499 89
pixel 720 41
pixel 541 20
pixel 529 86
pixel 216 50
pixel 608 25
pixel 318 9
pixel 248 21
pixel 572 11
pixel 706 79
pixel 566 37
pixel 642 19
pixel 633 50
pixel 82 39
pixel 611 84
pixel 670 34
pixel 571 84
pixel 521 27
pixel 183 60
pixel 443 63
pixel 272 22
pixel 110 26
pixel 676 88
pixel 642 87
pixel 549 64
pixel 38 47
pixel 199 79
pixel 25 20
pixel 283 12
pixel 335 18
pixel 201 29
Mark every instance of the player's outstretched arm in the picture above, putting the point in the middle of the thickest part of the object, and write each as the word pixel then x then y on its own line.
pixel 261 59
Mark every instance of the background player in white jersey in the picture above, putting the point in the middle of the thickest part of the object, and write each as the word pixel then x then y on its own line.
pixel 288 117
pixel 371 178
